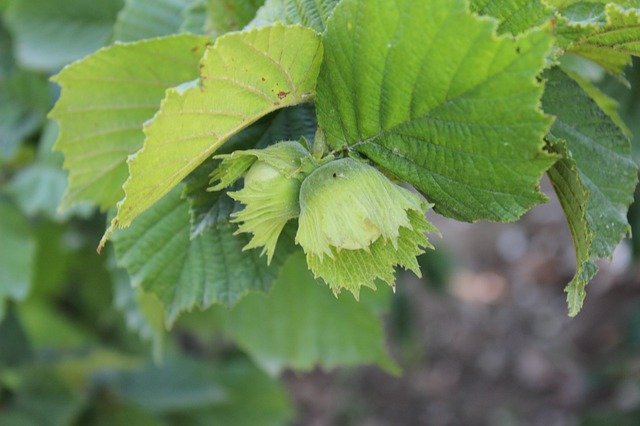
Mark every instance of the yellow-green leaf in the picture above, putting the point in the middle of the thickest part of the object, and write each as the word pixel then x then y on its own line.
pixel 105 99
pixel 244 76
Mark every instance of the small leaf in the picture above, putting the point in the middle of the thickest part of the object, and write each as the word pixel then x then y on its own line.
pixel 15 347
pixel 105 99
pixel 244 76
pixel 310 13
pixel 17 252
pixel 515 16
pixel 143 312
pixel 608 38
pixel 39 187
pixel 42 398
pixel 455 113
pixel 595 180
pixel 24 101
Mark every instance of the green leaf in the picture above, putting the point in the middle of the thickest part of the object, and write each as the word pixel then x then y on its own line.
pixel 140 19
pixel 106 413
pixel 310 13
pixel 15 348
pixel 143 312
pixel 174 386
pixel 24 102
pixel 38 188
pixel 587 11
pixel 253 399
pixel 456 114
pixel 607 104
pixel 207 209
pixel 195 17
pixel 595 180
pixel 231 15
pixel 51 328
pixel 299 324
pixel 195 392
pixel 6 54
pixel 48 34
pixel 186 273
pixel 515 16
pixel 629 100
pixel 609 39
pixel 105 100
pixel 17 252
pixel 42 399
pixel 244 77
pixel 55 255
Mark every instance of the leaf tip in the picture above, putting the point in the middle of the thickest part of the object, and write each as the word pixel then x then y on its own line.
pixel 107 235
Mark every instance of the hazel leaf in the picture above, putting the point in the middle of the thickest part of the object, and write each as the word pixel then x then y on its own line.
pixel 609 35
pixel 244 76
pixel 105 100
pixel 446 105
pixel 184 273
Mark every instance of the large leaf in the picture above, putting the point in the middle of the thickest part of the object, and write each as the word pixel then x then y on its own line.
pixel 455 113
pixel 49 34
pixel 595 180
pixel 300 324
pixel 310 13
pixel 515 16
pixel 186 273
pixel 140 19
pixel 244 77
pixel 17 252
pixel 105 100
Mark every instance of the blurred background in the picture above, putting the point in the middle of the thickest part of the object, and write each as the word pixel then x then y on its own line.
pixel 483 338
